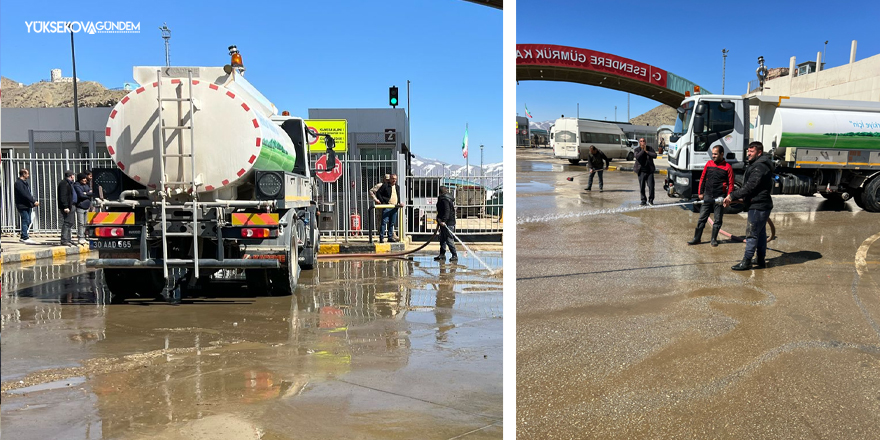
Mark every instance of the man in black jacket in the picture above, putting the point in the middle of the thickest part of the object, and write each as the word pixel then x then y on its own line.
pixel 755 192
pixel 597 161
pixel 389 194
pixel 644 168
pixel 446 219
pixel 66 202
pixel 24 203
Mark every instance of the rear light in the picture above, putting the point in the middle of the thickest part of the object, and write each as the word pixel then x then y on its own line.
pixel 109 232
pixel 255 232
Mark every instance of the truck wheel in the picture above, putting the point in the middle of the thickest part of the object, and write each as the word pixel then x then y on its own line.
pixel 857 197
pixel 133 283
pixel 284 280
pixel 630 156
pixel 574 161
pixel 871 195
pixel 737 184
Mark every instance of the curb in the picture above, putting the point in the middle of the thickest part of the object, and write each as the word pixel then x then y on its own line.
pixel 360 248
pixel 58 252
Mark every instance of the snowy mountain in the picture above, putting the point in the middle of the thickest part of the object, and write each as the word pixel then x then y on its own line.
pixel 432 167
pixel 541 125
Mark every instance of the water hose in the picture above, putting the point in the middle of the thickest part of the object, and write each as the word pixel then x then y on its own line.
pixel 491 272
pixel 374 255
pixel 731 236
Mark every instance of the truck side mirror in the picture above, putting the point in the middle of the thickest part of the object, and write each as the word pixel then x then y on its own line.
pixel 699 123
pixel 726 106
pixel 701 109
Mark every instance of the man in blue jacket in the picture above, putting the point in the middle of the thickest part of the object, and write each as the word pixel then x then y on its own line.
pixel 755 192
pixel 24 203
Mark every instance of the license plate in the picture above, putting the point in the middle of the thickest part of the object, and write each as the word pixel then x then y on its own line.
pixel 112 244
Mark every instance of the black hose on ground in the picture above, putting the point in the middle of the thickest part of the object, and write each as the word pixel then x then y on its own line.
pixel 374 255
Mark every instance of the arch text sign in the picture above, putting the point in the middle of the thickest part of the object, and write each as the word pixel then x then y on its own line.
pixel 585 59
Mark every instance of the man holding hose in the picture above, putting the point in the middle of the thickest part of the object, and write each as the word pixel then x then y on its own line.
pixel 716 181
pixel 446 219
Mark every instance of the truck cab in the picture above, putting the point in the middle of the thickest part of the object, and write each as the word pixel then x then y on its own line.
pixel 702 123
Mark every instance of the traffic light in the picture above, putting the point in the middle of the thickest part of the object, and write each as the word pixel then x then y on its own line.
pixel 392 96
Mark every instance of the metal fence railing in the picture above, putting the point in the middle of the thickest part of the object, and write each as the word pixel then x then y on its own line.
pixel 46 171
pixel 479 203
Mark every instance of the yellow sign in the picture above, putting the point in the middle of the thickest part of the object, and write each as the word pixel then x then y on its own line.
pixel 336 128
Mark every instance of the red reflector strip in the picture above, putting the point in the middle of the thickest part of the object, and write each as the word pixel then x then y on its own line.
pixel 230 94
pixel 209 188
pixel 175 81
pixel 155 84
pixel 110 149
pixel 256 124
pixel 138 178
pixel 213 86
pixel 140 90
pixel 259 142
pixel 245 107
pixel 124 100
pixel 195 82
pixel 107 132
pixel 254 232
pixel 225 182
pixel 113 114
pixel 252 159
pixel 240 172
pixel 109 232
pixel 121 166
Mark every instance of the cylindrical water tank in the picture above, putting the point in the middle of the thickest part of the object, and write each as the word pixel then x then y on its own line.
pixel 815 128
pixel 231 131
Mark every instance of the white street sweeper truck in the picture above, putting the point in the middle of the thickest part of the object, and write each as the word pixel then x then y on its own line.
pixel 830 147
pixel 208 178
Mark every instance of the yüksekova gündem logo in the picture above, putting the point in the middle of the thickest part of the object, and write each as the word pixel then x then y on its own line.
pixel 88 27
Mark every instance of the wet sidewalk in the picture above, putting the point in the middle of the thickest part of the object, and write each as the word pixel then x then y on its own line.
pixel 14 251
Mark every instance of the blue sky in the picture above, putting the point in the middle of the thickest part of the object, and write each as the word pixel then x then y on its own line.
pixel 301 55
pixel 686 38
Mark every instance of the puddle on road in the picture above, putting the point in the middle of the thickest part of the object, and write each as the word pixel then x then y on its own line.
pixel 528 166
pixel 436 327
pixel 532 186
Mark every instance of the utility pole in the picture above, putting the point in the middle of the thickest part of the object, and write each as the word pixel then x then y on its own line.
pixel 75 96
pixel 723 68
pixel 166 35
pixel 823 55
pixel 627 107
pixel 615 113
pixel 481 159
pixel 579 110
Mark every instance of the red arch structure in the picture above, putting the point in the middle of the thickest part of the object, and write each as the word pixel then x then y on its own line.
pixel 548 62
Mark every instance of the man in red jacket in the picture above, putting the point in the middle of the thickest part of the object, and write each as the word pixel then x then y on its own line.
pixel 716 181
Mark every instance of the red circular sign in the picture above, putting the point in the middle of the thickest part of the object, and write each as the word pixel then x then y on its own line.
pixel 328 176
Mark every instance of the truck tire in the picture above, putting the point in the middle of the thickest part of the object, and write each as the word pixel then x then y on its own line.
pixel 126 284
pixel 574 161
pixel 737 184
pixel 284 280
pixel 871 195
pixel 857 197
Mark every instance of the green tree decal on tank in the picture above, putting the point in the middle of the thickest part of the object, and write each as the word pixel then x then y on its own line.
pixel 845 141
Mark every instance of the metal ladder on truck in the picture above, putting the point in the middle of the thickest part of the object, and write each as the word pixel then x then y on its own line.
pixel 178 129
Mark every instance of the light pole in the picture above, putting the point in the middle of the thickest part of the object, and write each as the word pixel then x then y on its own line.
pixel 723 68
pixel 75 96
pixel 166 35
pixel 481 159
pixel 823 54
pixel 615 113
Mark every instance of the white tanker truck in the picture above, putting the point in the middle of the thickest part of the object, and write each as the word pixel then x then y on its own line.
pixel 208 177
pixel 824 146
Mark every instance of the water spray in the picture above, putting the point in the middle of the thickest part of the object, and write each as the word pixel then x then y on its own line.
pixel 491 272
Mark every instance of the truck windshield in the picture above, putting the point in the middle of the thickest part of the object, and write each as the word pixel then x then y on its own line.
pixel 683 122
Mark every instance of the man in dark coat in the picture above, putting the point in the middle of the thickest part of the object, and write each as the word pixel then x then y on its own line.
pixel 66 202
pixel 83 204
pixel 755 192
pixel 24 203
pixel 446 219
pixel 644 168
pixel 389 194
pixel 716 181
pixel 597 161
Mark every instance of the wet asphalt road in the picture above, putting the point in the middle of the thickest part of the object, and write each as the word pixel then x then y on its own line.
pixel 365 349
pixel 624 331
